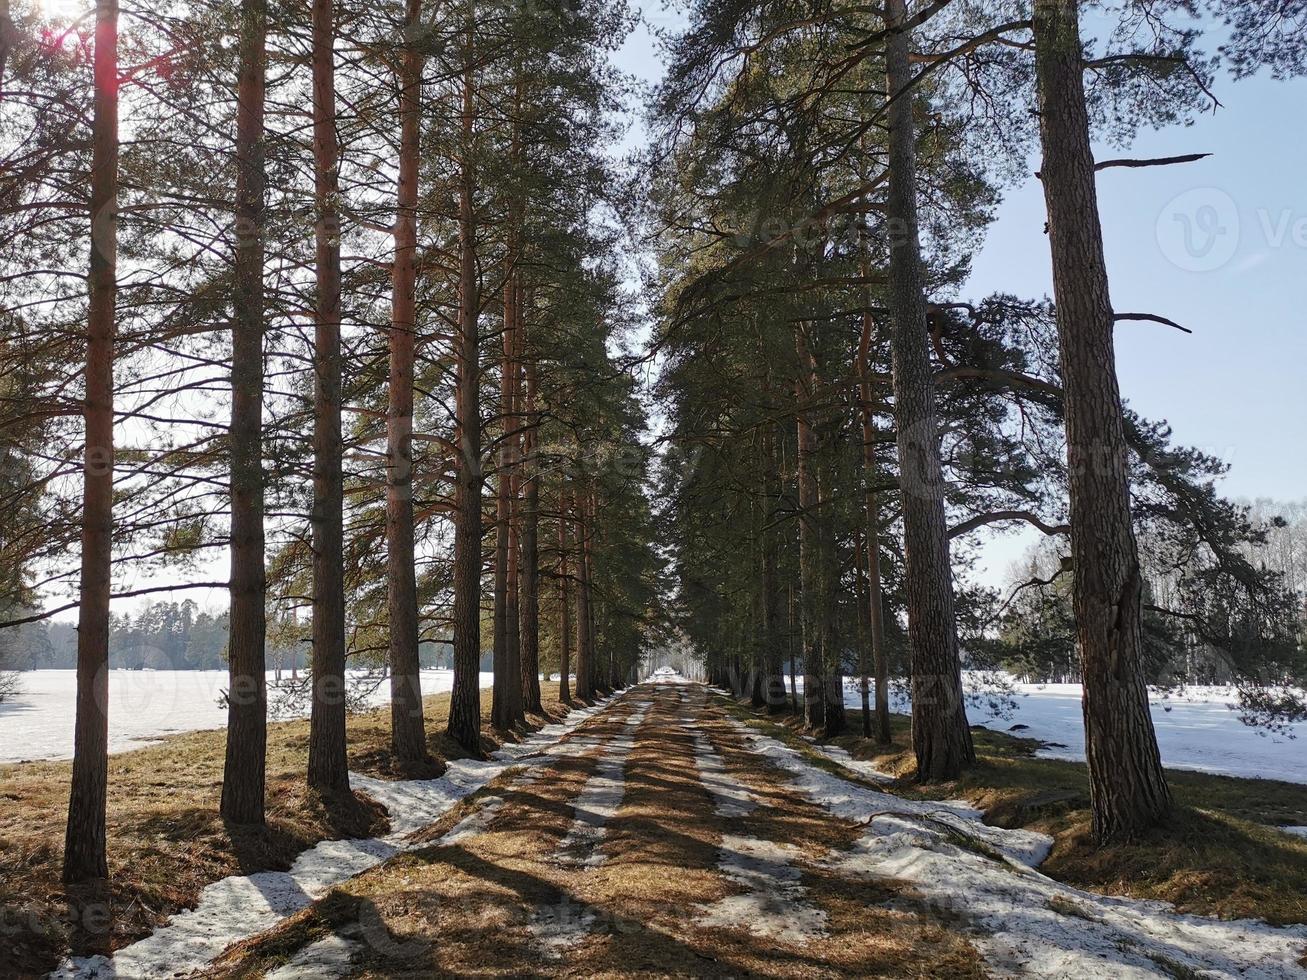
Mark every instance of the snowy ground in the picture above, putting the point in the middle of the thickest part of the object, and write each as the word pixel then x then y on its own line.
pixel 1022 922
pixel 1199 731
pixel 144 705
pixel 241 906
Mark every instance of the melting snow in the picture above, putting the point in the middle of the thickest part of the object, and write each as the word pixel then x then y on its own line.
pixel 244 905
pixel 1026 924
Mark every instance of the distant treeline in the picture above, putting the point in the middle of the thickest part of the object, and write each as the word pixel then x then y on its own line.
pixel 163 636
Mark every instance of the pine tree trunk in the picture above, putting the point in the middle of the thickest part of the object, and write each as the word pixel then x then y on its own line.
pixel 814 704
pixel 584 652
pixel 941 739
pixel 529 592
pixel 408 738
pixel 465 700
pixel 243 788
pixel 871 506
pixel 506 701
pixel 84 844
pixel 328 767
pixel 1128 791
pixel 833 717
pixel 564 602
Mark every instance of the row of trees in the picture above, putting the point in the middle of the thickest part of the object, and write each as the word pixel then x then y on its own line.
pixel 354 303
pixel 845 421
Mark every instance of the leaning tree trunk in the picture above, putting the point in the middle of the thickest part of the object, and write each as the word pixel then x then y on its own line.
pixel 1127 786
pixel 564 602
pixel 84 843
pixel 529 591
pixel 328 766
pixel 941 739
pixel 244 772
pixel 408 739
pixel 814 703
pixel 871 506
pixel 465 699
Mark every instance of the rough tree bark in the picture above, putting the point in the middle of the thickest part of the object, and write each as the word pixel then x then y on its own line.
pixel 564 601
pixel 941 739
pixel 465 700
pixel 328 766
pixel 529 591
pixel 584 652
pixel 84 843
pixel 1127 786
pixel 244 771
pixel 814 704
pixel 408 738
pixel 506 697
pixel 871 505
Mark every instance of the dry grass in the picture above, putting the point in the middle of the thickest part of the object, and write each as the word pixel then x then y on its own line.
pixel 166 840
pixel 469 908
pixel 1219 855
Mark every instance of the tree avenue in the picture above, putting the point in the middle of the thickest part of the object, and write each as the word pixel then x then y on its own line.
pixel 369 318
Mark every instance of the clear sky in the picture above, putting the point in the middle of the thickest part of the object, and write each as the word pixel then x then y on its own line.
pixel 1236 387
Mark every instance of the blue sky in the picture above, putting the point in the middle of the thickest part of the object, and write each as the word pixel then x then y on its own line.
pixel 1236 387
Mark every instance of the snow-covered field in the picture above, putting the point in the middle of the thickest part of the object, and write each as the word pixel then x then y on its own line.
pixel 1200 730
pixel 144 705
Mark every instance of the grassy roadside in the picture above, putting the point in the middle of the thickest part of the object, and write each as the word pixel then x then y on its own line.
pixel 166 840
pixel 1220 855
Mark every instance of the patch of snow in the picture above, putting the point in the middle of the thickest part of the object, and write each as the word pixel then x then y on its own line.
pixel 244 905
pixel 144 706
pixel 862 767
pixel 329 957
pixel 773 904
pixel 1026 924
pixel 559 927
pixel 1296 831
pixel 601 796
pixel 730 798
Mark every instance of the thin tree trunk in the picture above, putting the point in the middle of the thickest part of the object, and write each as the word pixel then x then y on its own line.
pixel 584 652
pixel 84 843
pixel 465 700
pixel 814 703
pixel 506 701
pixel 564 600
pixel 408 738
pixel 243 788
pixel 1127 786
pixel 328 767
pixel 871 505
pixel 864 648
pixel 941 738
pixel 529 592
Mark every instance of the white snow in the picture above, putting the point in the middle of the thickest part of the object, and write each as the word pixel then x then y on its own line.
pixel 144 706
pixel 1200 730
pixel 1024 923
pixel 772 903
pixel 1296 831
pixel 240 906
pixel 601 796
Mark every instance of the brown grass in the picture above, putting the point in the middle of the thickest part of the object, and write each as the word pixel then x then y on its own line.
pixel 466 909
pixel 1219 855
pixel 166 840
